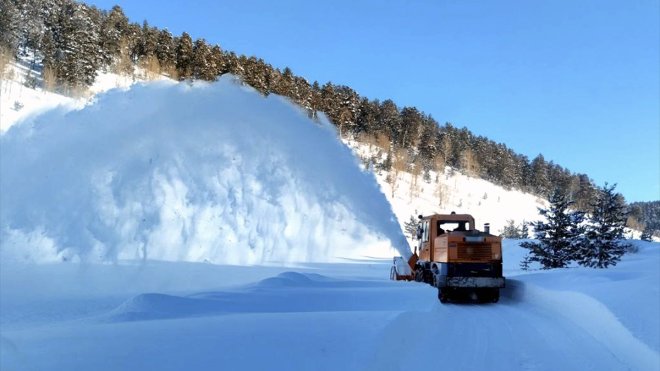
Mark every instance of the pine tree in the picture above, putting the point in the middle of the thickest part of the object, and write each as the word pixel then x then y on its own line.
pixel 9 27
pixel 218 61
pixel 346 109
pixel 113 28
pixel 602 245
pixel 166 52
pixel 390 118
pixel 410 227
pixel 524 230
pixel 184 56
pixel 647 234
pixel 511 230
pixel 366 118
pixel 427 143
pixel 559 236
pixel 524 264
pixel 147 44
pixel 200 64
pixel 539 181
pixel 78 45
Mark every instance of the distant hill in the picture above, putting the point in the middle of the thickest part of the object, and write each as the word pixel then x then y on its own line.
pixel 646 216
pixel 71 43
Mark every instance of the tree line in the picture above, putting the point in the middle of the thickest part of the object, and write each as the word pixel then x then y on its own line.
pixel 73 41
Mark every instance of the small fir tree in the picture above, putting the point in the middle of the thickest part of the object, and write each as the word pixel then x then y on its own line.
pixel 511 230
pixel 524 230
pixel 558 236
pixel 602 246
pixel 411 227
pixel 647 234
pixel 524 264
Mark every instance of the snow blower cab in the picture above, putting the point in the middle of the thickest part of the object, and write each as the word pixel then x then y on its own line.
pixel 455 257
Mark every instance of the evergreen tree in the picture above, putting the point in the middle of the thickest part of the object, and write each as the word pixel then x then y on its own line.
pixel 540 181
pixel 166 51
pixel 647 234
pixel 305 94
pixel 347 106
pixel 218 63
pixel 511 230
pixel 9 27
pixel 410 227
pixel 411 122
pixel 390 119
pixel 148 42
pixel 427 144
pixel 602 245
pixel 366 118
pixel 80 58
pixel 184 56
pixel 559 236
pixel 285 85
pixel 524 264
pixel 585 193
pixel 113 28
pixel 524 230
pixel 201 67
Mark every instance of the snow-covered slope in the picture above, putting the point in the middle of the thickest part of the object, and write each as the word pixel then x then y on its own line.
pixel 22 95
pixel 451 191
pixel 217 173
pixel 18 102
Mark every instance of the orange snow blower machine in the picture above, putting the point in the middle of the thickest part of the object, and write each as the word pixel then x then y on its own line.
pixel 454 257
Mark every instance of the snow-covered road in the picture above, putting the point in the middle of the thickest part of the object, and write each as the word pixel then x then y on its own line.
pixel 346 316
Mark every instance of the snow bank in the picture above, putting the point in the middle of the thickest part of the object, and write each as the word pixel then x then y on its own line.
pixel 177 172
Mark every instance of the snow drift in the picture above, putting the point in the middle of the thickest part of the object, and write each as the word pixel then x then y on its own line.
pixel 192 172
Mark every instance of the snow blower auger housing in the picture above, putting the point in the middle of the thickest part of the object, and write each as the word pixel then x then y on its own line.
pixel 453 256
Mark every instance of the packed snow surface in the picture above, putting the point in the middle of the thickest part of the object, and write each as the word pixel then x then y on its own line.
pixel 180 172
pixel 324 316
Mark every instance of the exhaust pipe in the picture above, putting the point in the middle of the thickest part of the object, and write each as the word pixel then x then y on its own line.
pixel 487 228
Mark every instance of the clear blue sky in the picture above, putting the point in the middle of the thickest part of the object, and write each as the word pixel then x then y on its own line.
pixel 578 81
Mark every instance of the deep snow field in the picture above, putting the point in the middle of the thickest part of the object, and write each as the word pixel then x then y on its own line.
pixel 178 226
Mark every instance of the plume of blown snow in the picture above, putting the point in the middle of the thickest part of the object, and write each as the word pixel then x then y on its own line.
pixel 193 172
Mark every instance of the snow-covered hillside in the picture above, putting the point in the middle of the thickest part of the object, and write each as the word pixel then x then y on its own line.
pixel 21 99
pixel 408 196
pixel 451 191
pixel 142 188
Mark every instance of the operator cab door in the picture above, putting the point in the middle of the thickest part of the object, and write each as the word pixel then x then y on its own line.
pixel 425 243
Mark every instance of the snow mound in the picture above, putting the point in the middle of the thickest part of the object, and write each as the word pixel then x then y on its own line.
pixel 160 306
pixel 187 172
pixel 292 279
